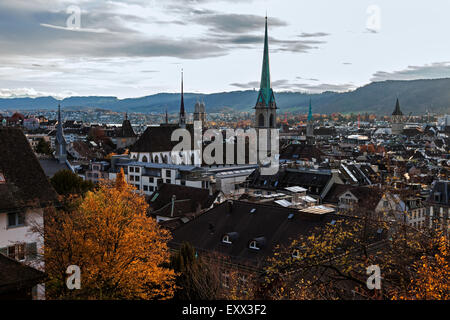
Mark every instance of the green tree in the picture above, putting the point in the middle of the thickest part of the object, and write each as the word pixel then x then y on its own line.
pixel 67 183
pixel 196 279
pixel 43 147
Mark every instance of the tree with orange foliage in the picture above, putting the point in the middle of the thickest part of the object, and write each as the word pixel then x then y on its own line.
pixel 122 253
pixel 433 274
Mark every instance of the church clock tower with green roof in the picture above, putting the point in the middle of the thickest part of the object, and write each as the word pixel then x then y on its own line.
pixel 266 107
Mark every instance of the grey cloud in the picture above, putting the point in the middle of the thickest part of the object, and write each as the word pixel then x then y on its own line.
pixel 288 85
pixel 235 23
pixel 308 79
pixel 248 85
pixel 429 71
pixel 313 35
pixel 326 87
pixel 32 39
pixel 106 33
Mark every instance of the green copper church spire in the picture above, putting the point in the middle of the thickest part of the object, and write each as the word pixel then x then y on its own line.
pixel 310 115
pixel 266 96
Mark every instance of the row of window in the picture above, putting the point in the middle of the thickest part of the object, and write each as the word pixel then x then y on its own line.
pixel 419 224
pixel 135 178
pixel 134 169
pixel 416 214
pixel 165 159
pixel 20 251
pixel 348 201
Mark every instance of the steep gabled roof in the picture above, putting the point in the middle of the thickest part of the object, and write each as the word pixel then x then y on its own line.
pixel 158 139
pixel 397 111
pixel 301 151
pixel 196 197
pixel 126 131
pixel 25 182
pixel 15 276
pixel 245 222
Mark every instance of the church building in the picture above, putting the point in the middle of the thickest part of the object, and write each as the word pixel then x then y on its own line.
pixel 266 107
pixel 397 120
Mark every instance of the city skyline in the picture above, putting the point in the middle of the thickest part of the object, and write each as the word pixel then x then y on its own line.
pixel 133 49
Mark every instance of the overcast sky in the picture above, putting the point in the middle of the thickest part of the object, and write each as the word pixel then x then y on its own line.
pixel 133 48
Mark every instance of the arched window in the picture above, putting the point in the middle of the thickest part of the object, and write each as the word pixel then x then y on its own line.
pixel 144 159
pixel 156 159
pixel 261 120
pixel 271 121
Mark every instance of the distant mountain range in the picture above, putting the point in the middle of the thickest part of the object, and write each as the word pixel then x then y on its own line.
pixel 416 96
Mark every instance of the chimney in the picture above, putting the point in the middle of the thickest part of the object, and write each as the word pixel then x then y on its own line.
pixel 230 206
pixel 210 189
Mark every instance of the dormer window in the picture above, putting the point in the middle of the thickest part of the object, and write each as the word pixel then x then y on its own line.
pixel 257 243
pixel 226 239
pixel 253 245
pixel 230 237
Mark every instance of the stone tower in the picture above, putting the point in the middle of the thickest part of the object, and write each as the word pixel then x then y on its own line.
pixel 200 112
pixel 182 120
pixel 397 120
pixel 266 107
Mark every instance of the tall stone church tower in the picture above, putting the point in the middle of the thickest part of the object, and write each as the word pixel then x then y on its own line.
pixel 397 120
pixel 200 112
pixel 60 141
pixel 310 125
pixel 182 120
pixel 266 107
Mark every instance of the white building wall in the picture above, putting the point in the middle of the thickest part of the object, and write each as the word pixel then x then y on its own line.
pixel 10 236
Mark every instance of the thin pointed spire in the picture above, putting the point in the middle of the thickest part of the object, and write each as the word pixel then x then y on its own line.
pixel 182 112
pixel 60 143
pixel 310 115
pixel 397 111
pixel 167 117
pixel 60 124
pixel 266 96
